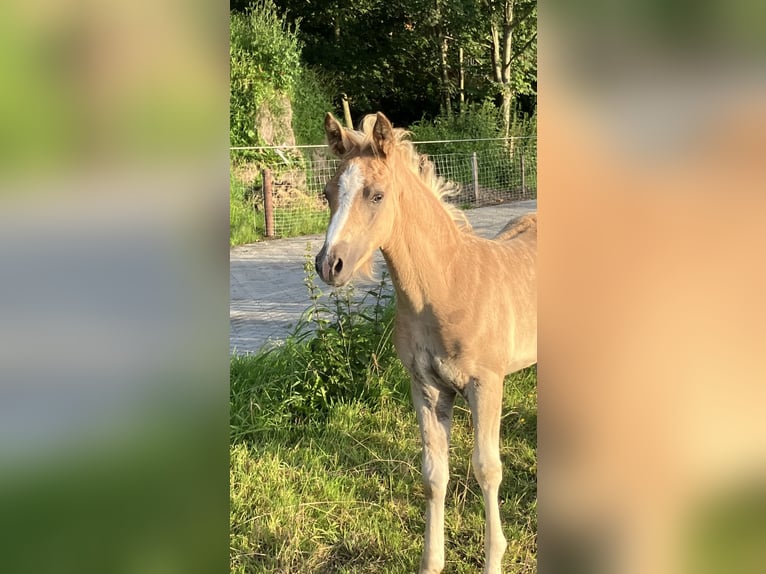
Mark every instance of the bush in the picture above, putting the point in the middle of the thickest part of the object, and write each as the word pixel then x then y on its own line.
pixel 339 353
pixel 265 64
pixel 480 122
pixel 476 121
pixel 245 224
pixel 312 99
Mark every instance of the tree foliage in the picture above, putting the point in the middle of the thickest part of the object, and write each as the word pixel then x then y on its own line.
pixel 513 33
pixel 403 56
pixel 265 64
pixel 407 57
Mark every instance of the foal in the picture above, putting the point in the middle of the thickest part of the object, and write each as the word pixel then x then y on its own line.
pixel 466 307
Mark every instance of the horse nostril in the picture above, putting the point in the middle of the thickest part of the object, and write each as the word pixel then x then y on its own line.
pixel 338 266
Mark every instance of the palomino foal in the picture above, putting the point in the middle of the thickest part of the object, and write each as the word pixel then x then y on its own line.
pixel 466 307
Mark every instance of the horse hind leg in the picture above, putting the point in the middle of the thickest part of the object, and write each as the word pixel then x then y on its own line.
pixel 434 406
pixel 486 401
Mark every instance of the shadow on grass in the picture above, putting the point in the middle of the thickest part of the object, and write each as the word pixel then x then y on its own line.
pixel 357 502
pixel 326 453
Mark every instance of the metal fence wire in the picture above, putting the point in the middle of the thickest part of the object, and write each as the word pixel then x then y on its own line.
pixel 286 185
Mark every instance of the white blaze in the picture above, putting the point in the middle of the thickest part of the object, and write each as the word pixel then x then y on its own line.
pixel 349 184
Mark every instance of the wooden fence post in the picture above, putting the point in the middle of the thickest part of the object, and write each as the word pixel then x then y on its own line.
pixel 347 112
pixel 523 178
pixel 475 170
pixel 268 205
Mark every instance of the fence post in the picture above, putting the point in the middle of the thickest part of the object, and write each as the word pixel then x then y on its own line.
pixel 268 206
pixel 523 178
pixel 475 170
pixel 346 112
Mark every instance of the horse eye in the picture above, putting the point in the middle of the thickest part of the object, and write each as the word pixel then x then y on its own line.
pixel 377 198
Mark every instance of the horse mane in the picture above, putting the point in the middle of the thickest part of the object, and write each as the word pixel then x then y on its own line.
pixel 419 164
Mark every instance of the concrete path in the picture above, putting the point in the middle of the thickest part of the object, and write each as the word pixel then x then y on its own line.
pixel 266 279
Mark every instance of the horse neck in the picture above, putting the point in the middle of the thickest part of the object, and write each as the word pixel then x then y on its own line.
pixel 424 240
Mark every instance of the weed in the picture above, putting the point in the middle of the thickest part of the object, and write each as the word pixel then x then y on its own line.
pixel 325 453
pixel 339 352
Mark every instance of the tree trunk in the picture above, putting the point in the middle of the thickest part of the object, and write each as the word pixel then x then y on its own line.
pixel 496 61
pixel 461 80
pixel 445 76
pixel 507 106
pixel 502 39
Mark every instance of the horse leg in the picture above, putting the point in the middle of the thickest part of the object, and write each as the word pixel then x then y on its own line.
pixel 486 400
pixel 433 406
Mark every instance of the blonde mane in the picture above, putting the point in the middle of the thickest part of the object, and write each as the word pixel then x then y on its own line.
pixel 419 164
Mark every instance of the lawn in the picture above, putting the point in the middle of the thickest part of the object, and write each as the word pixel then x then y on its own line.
pixel 325 455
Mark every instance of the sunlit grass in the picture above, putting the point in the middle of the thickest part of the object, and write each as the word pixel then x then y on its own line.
pixel 248 225
pixel 337 487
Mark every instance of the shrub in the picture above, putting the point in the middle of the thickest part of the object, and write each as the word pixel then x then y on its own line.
pixel 480 122
pixel 312 100
pixel 476 121
pixel 340 352
pixel 265 64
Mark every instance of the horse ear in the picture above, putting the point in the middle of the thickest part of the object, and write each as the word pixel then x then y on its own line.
pixel 336 137
pixel 383 134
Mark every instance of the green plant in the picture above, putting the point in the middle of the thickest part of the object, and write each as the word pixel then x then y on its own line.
pixel 339 352
pixel 476 121
pixel 265 64
pixel 325 453
pixel 245 224
pixel 312 99
pixel 349 342
pixel 497 159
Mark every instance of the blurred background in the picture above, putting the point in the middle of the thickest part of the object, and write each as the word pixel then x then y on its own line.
pixel 113 287
pixel 652 441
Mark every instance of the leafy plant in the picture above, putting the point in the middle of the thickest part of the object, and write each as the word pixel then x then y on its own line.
pixel 265 64
pixel 245 224
pixel 339 352
pixel 476 121
pixel 312 99
pixel 497 159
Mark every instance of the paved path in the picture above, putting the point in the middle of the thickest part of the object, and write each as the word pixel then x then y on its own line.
pixel 266 279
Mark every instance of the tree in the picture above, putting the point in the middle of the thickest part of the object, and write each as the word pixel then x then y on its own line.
pixel 453 22
pixel 513 36
pixel 381 53
pixel 404 56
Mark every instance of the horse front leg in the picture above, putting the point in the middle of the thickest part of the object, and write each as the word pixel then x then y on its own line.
pixel 486 402
pixel 433 406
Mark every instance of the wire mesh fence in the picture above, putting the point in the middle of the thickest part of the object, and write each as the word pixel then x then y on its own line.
pixel 283 188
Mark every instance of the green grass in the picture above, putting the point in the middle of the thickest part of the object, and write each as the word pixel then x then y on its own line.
pixel 346 496
pixel 297 222
pixel 325 455
pixel 247 225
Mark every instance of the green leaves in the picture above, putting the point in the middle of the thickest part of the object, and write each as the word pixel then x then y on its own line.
pixel 265 64
pixel 339 353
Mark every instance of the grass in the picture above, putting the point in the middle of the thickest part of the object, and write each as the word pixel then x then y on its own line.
pixel 297 222
pixel 325 454
pixel 247 224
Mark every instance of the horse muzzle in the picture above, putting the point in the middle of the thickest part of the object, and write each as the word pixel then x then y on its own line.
pixel 331 267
